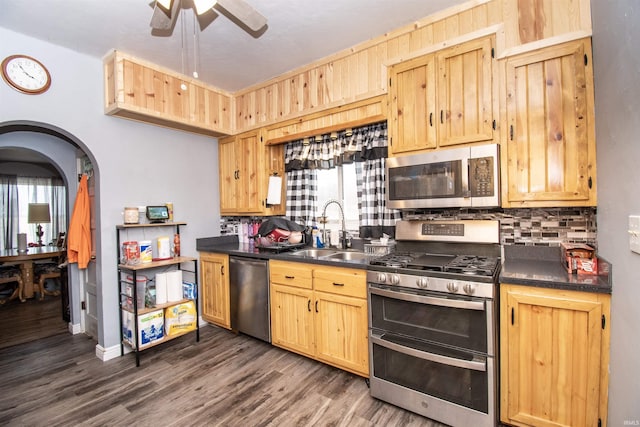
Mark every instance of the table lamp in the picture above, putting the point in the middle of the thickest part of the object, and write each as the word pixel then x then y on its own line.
pixel 39 214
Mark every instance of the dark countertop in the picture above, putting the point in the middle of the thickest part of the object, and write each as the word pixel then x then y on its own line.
pixel 230 245
pixel 541 267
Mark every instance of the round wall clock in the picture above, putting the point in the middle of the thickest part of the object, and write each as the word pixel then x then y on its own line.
pixel 26 74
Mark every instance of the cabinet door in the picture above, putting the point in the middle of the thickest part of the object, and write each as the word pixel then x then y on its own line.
pixel 275 166
pixel 215 289
pixel 292 319
pixel 552 365
pixel 341 332
pixel 465 75
pixel 550 142
pixel 250 181
pixel 412 98
pixel 228 175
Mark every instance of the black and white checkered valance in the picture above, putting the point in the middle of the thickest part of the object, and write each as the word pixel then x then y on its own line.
pixel 367 146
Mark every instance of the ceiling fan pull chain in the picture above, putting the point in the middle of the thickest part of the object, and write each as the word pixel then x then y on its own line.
pixel 183 31
pixel 196 47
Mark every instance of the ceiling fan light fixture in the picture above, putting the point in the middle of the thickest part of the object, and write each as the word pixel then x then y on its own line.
pixel 203 5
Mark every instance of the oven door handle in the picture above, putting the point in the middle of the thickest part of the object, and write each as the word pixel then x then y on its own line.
pixel 437 358
pixel 443 302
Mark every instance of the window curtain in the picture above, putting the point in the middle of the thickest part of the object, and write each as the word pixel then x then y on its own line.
pixel 58 208
pixel 9 211
pixel 301 196
pixel 374 217
pixel 367 146
pixel 17 193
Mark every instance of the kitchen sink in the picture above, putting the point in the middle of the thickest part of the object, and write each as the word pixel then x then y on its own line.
pixel 347 256
pixel 313 253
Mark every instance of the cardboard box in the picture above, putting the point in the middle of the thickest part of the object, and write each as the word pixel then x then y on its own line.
pixel 180 318
pixel 579 258
pixel 150 327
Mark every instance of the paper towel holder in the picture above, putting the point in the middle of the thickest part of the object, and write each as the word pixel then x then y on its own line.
pixel 273 193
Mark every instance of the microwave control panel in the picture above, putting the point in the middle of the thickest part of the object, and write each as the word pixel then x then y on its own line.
pixel 481 179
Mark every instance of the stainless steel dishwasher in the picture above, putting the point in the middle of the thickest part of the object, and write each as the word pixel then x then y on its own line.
pixel 249 292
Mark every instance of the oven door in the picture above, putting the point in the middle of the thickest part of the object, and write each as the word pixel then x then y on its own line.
pixel 440 383
pixel 456 321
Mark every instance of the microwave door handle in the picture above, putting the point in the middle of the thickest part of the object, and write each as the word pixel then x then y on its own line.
pixel 466 172
pixel 437 358
pixel 442 302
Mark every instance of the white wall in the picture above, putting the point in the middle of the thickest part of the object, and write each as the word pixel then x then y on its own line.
pixel 616 41
pixel 137 164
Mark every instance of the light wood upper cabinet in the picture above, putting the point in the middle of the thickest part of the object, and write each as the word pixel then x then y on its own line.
pixel 442 99
pixel 214 282
pixel 139 90
pixel 245 166
pixel 412 97
pixel 465 95
pixel 554 357
pixel 320 312
pixel 550 156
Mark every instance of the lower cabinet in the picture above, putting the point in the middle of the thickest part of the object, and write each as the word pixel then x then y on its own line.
pixel 214 270
pixel 554 357
pixel 320 312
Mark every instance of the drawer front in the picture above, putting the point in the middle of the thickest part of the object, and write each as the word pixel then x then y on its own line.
pixel 291 274
pixel 340 281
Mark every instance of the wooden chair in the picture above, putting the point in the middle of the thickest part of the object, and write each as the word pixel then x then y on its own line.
pixel 12 275
pixel 50 270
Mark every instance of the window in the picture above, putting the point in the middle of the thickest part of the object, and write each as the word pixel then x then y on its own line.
pixel 15 212
pixel 339 184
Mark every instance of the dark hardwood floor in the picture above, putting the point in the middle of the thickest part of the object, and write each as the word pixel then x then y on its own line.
pixel 223 380
pixel 22 322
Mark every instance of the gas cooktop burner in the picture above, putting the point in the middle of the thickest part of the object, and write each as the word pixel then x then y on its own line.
pixel 460 264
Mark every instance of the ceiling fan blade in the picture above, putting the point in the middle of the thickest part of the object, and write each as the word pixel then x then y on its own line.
pixel 164 19
pixel 246 14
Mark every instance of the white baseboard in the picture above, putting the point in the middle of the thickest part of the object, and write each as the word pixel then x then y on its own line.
pixel 74 328
pixel 109 353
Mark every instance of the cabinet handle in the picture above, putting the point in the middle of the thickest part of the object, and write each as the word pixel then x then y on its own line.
pixel 441 116
pixel 511 132
pixel 512 316
pixel 316 306
pixel 309 305
pixel 238 173
pixel 222 270
pixel 431 119
pixel 338 284
pixel 289 277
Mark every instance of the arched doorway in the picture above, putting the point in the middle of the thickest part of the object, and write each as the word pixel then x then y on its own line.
pixel 70 157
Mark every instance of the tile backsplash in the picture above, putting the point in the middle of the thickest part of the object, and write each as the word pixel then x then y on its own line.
pixel 529 227
pixel 525 227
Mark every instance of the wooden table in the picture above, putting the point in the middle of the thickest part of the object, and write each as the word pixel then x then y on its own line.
pixel 12 256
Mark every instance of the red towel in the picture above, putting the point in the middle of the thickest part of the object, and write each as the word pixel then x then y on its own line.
pixel 79 234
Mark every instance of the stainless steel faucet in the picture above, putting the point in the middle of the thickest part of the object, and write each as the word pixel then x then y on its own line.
pixel 324 221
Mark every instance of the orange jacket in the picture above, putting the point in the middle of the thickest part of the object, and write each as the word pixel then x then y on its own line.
pixel 79 235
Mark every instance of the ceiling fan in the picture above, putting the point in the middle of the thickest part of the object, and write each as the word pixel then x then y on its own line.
pixel 165 13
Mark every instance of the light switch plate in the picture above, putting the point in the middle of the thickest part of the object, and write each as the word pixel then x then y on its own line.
pixel 634 233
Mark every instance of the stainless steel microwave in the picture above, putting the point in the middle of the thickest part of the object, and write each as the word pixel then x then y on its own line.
pixel 458 177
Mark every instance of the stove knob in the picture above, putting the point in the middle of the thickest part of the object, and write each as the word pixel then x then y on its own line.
pixel 422 282
pixel 469 289
pixel 394 279
pixel 382 277
pixel 452 287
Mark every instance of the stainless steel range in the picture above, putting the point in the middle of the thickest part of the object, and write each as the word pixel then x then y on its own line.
pixel 432 321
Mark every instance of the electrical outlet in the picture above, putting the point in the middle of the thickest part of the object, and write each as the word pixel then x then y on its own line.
pixel 634 233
